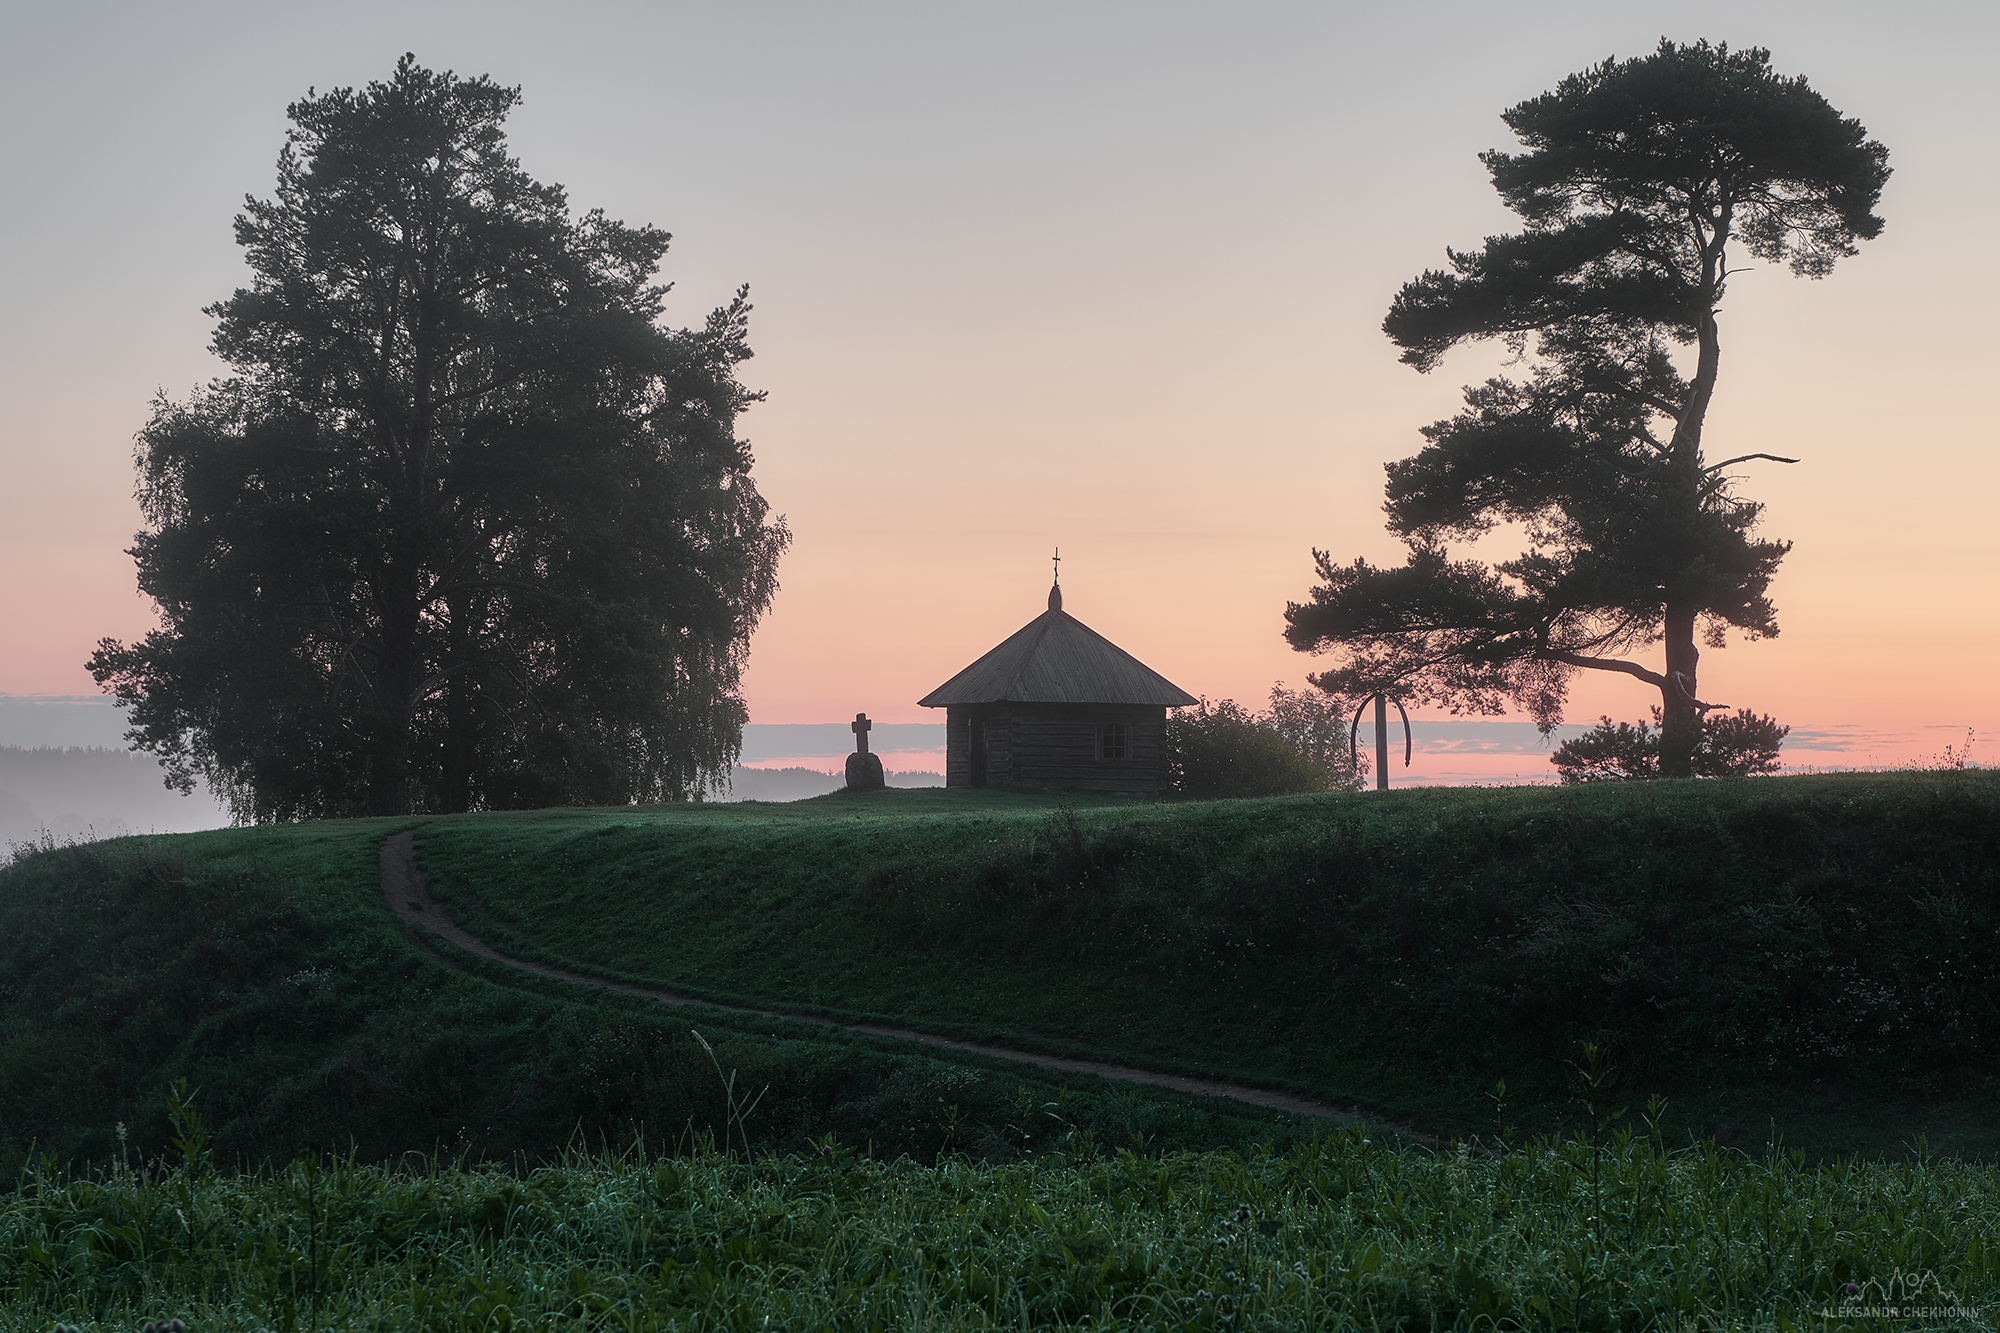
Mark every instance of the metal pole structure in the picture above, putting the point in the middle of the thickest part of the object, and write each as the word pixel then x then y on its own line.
pixel 1381 742
pixel 1381 737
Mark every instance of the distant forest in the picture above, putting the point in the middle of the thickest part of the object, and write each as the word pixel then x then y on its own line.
pixel 82 793
pixel 89 792
pixel 795 784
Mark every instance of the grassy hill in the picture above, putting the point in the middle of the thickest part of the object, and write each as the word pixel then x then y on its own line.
pixel 1813 958
pixel 1805 959
pixel 261 966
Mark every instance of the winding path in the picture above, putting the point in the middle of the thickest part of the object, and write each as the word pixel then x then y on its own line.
pixel 404 890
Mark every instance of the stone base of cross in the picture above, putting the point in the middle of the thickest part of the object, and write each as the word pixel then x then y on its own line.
pixel 864 770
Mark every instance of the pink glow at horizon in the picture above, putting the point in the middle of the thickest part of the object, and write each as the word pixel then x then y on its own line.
pixel 1108 278
pixel 895 761
pixel 1460 764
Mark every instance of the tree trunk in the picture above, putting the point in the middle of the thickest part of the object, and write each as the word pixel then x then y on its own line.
pixel 389 768
pixel 399 604
pixel 402 603
pixel 459 741
pixel 395 691
pixel 1680 720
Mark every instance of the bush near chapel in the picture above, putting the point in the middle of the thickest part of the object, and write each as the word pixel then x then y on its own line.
pixel 1298 744
pixel 1728 747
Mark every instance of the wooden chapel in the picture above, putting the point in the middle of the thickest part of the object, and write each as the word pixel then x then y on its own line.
pixel 1057 705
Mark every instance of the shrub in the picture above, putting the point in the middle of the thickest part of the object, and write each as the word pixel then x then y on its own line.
pixel 1223 749
pixel 1730 747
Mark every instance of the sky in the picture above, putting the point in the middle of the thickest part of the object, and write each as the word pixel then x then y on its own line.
pixel 1107 277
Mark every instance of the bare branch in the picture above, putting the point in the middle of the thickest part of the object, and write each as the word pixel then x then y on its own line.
pixel 1664 406
pixel 1680 681
pixel 1744 458
pixel 1652 678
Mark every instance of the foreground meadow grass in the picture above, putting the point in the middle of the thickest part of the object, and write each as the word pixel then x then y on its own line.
pixel 1345 1232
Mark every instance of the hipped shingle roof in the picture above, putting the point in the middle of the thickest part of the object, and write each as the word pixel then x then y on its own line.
pixel 1057 659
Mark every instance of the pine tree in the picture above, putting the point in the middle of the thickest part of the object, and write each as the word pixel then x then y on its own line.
pixel 1640 184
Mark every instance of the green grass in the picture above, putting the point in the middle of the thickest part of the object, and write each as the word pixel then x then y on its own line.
pixel 1340 1233
pixel 1809 962
pixel 1813 961
pixel 1799 964
pixel 262 966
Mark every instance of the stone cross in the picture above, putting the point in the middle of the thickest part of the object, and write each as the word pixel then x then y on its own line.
pixel 864 770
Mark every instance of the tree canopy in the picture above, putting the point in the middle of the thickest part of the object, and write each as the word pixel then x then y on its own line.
pixel 466 526
pixel 1635 181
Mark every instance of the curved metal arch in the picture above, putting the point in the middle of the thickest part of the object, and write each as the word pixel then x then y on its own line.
pixel 1354 728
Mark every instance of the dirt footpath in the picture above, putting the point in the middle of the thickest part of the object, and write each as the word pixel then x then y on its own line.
pixel 404 891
